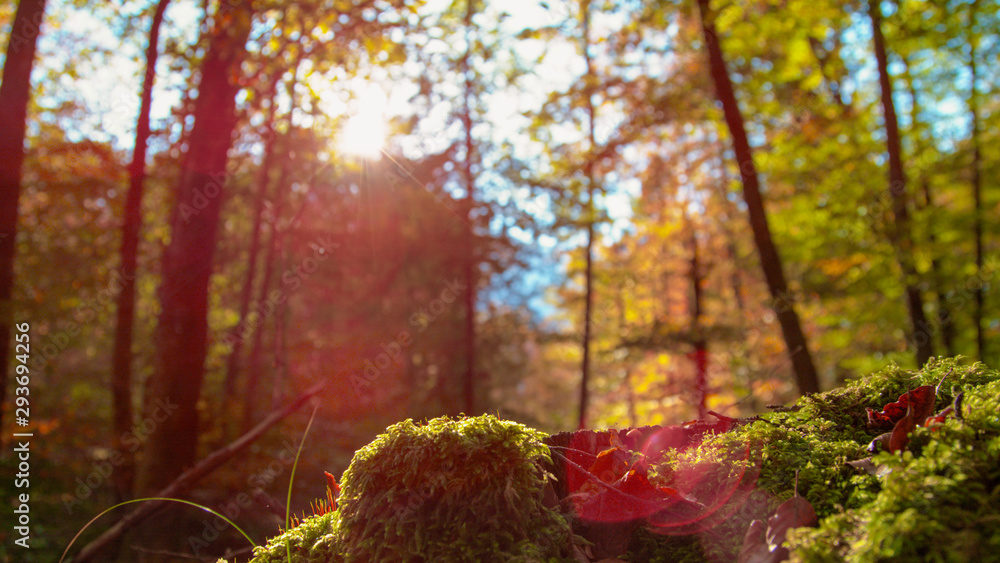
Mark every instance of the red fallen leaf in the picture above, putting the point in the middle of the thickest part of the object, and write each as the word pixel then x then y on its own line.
pixel 901 432
pixel 922 398
pixel 636 483
pixel 768 547
pixel 631 498
pixel 714 505
pixel 939 418
pixel 611 464
pixel 793 513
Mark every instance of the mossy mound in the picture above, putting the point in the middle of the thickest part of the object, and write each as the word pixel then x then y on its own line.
pixel 450 490
pixel 937 501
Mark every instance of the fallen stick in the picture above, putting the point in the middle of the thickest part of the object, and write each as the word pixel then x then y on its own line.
pixel 182 483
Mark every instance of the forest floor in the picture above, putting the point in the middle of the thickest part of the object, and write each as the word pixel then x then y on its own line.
pixel 901 465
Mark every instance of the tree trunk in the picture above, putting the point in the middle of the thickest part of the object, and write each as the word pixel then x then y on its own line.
pixel 15 92
pixel 173 389
pixel 470 202
pixel 589 211
pixel 795 340
pixel 239 332
pixel 257 347
pixel 700 353
pixel 945 321
pixel 977 166
pixel 921 336
pixel 121 374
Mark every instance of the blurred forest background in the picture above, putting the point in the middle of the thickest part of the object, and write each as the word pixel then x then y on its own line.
pixel 568 213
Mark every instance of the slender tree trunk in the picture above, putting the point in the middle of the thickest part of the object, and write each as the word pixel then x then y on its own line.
pixel 921 335
pixel 239 332
pixel 257 348
pixel 630 400
pixel 700 353
pixel 795 340
pixel 470 202
pixel 274 244
pixel 944 318
pixel 280 344
pixel 946 324
pixel 173 390
pixel 121 374
pixel 15 92
pixel 977 167
pixel 589 211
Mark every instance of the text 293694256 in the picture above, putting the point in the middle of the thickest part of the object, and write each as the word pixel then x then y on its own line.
pixel 22 440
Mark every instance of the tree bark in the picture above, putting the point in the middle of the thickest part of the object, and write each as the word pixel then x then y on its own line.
pixel 121 371
pixel 589 211
pixel 257 347
pixel 700 353
pixel 470 202
pixel 921 335
pixel 795 340
pixel 945 321
pixel 15 92
pixel 187 262
pixel 239 332
pixel 977 167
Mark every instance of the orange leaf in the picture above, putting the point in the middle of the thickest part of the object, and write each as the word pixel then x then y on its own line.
pixel 611 464
pixel 939 418
pixel 332 489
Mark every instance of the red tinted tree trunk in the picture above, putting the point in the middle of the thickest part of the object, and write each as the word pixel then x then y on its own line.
pixel 254 369
pixel 795 339
pixel 121 374
pixel 470 202
pixel 921 335
pixel 15 91
pixel 589 268
pixel 173 389
pixel 239 332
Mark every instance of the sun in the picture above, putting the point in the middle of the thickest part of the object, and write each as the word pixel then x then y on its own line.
pixel 365 132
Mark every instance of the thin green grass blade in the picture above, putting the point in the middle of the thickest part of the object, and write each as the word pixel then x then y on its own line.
pixel 182 501
pixel 291 480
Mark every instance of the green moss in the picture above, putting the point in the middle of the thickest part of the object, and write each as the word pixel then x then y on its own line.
pixel 469 489
pixel 449 490
pixel 940 498
pixel 940 501
pixel 647 546
pixel 315 540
